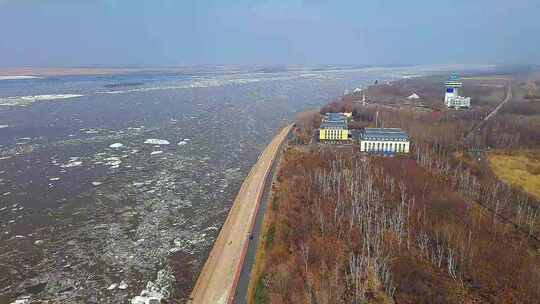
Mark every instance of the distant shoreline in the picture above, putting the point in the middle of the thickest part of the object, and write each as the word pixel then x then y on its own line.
pixel 28 72
pixel 80 71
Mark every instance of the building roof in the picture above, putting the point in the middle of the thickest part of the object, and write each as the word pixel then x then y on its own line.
pixel 334 117
pixel 383 134
pixel 413 96
pixel 334 121
pixel 334 124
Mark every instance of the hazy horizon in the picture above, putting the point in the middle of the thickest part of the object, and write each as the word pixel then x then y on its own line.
pixel 121 33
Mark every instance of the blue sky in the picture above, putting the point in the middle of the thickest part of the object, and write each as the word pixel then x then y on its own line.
pixel 182 32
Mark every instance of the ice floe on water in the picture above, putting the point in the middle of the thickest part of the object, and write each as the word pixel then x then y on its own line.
pixel 53 179
pixel 96 183
pixel 72 164
pixel 4 126
pixel 90 131
pixel 184 141
pixel 123 285
pixel 116 146
pixel 154 141
pixel 17 77
pixel 26 100
pixel 113 161
pixel 22 300
pixel 156 290
pixel 156 152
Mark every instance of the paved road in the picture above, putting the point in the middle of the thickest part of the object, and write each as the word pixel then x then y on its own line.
pixel 494 112
pixel 220 274
pixel 508 97
pixel 241 294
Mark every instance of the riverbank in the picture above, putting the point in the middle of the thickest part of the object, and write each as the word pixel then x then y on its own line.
pixel 218 279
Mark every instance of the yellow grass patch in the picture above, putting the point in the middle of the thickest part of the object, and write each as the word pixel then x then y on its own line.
pixel 521 169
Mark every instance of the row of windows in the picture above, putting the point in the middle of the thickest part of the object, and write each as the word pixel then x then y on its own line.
pixel 395 147
pixel 334 134
pixel 379 138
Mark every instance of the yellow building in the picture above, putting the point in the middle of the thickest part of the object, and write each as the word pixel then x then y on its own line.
pixel 334 128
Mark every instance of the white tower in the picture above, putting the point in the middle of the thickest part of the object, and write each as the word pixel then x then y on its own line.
pixel 451 96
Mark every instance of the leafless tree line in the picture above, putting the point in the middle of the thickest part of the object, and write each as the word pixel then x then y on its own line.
pixel 500 199
pixel 356 191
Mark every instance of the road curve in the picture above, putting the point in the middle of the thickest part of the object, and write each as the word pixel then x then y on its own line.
pixel 219 276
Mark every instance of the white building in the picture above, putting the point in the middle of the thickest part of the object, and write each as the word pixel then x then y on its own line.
pixel 384 140
pixel 413 96
pixel 451 96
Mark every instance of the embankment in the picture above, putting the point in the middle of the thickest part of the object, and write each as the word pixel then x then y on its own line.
pixel 219 277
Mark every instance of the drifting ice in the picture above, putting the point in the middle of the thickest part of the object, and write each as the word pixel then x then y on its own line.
pixel 153 141
pixel 116 145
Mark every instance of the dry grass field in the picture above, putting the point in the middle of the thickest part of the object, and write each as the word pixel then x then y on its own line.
pixel 520 169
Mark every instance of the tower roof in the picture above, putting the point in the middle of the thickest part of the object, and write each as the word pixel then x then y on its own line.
pixel 453 81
